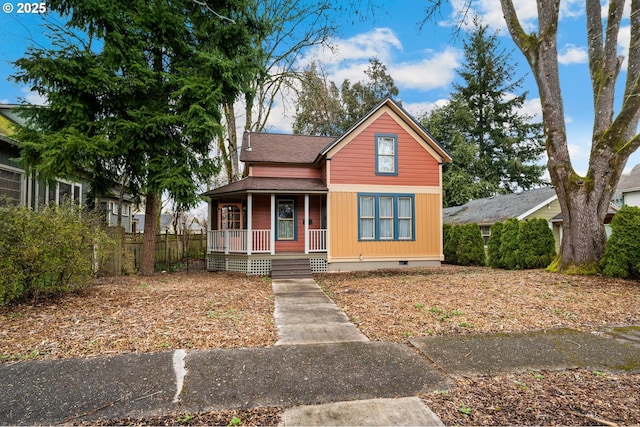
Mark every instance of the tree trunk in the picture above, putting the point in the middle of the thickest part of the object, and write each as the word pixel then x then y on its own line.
pixel 230 115
pixel 152 206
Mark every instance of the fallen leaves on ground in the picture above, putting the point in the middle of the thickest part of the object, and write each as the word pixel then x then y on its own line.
pixel 574 397
pixel 143 314
pixel 395 305
pixel 227 310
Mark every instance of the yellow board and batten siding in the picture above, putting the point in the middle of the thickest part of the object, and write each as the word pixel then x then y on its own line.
pixel 346 246
pixel 350 170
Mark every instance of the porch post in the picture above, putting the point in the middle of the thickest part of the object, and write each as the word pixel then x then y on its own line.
pixel 249 225
pixel 306 224
pixel 273 225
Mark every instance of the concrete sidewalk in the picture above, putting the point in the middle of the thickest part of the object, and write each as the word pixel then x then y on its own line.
pixel 73 390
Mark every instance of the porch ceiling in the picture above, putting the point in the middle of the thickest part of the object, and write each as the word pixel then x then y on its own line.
pixel 254 184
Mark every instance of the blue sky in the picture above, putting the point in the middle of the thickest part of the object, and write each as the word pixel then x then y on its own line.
pixel 422 62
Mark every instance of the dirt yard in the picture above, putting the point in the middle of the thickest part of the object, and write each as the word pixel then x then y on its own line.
pixel 222 310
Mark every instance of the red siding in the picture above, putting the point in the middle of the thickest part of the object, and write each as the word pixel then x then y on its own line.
pixel 355 163
pixel 262 219
pixel 285 171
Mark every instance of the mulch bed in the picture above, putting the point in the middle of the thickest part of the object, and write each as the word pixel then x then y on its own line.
pixel 225 310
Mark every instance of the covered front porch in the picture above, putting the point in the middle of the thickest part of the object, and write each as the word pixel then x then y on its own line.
pixel 251 225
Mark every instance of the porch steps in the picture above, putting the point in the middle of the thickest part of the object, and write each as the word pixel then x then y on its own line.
pixel 290 268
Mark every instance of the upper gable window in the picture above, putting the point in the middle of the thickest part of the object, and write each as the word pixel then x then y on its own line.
pixel 386 154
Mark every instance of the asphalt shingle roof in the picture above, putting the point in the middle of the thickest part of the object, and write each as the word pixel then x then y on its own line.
pixel 282 148
pixel 257 184
pixel 497 208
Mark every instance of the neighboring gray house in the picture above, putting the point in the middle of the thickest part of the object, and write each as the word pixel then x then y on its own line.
pixel 538 203
pixel 628 192
pixel 21 188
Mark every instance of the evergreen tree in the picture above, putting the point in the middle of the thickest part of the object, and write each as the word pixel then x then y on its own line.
pixel 471 246
pixel 509 244
pixel 134 96
pixel 494 145
pixel 537 247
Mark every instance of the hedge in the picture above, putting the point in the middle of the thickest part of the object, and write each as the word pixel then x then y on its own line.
pixel 45 252
pixel 622 251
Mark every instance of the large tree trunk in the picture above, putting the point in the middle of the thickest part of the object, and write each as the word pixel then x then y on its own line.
pixel 584 200
pixel 152 206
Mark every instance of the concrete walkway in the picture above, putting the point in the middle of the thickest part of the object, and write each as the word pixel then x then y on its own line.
pixel 305 315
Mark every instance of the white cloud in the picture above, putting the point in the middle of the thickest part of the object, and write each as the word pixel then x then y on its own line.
pixel 33 98
pixel 419 109
pixel 572 54
pixel 432 72
pixel 4 101
pixel 377 43
pixel 533 108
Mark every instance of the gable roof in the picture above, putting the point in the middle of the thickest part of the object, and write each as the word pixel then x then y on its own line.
pixel 406 118
pixel 631 180
pixel 500 208
pixel 282 148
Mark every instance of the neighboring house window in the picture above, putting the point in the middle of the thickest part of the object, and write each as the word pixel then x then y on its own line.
pixel 286 219
pixel 386 217
pixel 11 186
pixel 386 155
pixel 486 233
pixel 58 192
pixel 114 209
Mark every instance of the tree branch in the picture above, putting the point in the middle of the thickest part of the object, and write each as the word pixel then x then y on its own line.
pixel 206 6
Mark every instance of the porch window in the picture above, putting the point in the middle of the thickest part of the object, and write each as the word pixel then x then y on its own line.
pixel 230 217
pixel 286 223
pixel 386 217
pixel 386 155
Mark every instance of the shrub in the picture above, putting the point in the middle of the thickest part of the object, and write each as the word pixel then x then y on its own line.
pixel 470 249
pixel 45 252
pixel 451 245
pixel 622 251
pixel 493 245
pixel 509 244
pixel 537 246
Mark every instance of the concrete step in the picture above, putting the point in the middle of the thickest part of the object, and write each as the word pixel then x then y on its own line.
pixel 290 268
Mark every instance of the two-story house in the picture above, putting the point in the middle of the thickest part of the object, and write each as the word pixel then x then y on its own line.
pixel 368 199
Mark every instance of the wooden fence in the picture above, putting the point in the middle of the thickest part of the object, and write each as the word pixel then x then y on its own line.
pixel 125 253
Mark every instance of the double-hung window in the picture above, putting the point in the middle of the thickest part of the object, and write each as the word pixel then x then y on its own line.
pixel 286 219
pixel 386 217
pixel 386 154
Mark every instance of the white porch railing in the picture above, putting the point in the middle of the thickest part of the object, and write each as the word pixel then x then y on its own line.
pixel 235 241
pixel 317 240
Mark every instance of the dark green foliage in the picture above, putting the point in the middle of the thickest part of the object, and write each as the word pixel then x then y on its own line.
pixel 45 252
pixel 622 252
pixel 537 247
pixel 493 245
pixel 509 244
pixel 451 245
pixel 463 244
pixel 471 246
